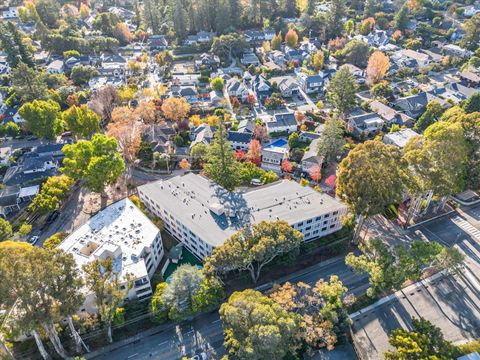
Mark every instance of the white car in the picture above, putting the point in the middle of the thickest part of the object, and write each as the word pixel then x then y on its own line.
pixel 33 240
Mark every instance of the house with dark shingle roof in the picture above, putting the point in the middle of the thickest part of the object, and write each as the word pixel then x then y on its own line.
pixel 239 140
pixel 415 105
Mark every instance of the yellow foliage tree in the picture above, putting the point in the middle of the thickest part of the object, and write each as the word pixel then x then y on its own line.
pixel 378 66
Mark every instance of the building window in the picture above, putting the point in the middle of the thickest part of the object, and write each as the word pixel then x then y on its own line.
pixel 308 228
pixel 324 229
pixel 309 221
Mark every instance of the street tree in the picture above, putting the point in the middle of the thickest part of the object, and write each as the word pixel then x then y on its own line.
pixel 341 92
pixel 321 308
pixel 81 121
pixel 252 248
pixel 388 267
pixel 255 327
pixel 254 152
pixel 423 341
pixel 471 130
pixel 53 241
pixel 437 161
pixel 276 43
pixel 370 178
pixel 221 165
pixel 190 291
pixel 110 289
pixel 377 68
pixel 96 161
pixel 5 229
pixel 331 140
pixel 51 195
pixel 229 45
pixel 401 18
pixel 198 155
pixel 42 118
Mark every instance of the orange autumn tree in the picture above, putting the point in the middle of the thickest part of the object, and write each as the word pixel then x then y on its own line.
pixel 254 152
pixel 184 164
pixel 315 173
pixel 127 129
pixel 291 38
pixel 175 109
pixel 377 67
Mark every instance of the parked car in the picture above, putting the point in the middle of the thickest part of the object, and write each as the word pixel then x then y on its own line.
pixel 51 218
pixel 33 240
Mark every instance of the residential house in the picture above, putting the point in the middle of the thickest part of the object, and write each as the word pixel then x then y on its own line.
pixel 30 169
pixel 399 138
pixel 415 105
pixel 434 54
pixel 200 38
pixel 287 86
pixel 11 114
pixel 391 116
pixel 273 155
pixel 237 89
pixel 157 42
pixel 254 36
pixel 203 133
pixel 455 92
pixel 470 78
pixel 203 215
pixel 364 125
pixel 376 38
pixel 191 79
pixel 207 60
pixel 239 140
pixel 246 125
pixel 250 59
pixel 190 93
pixel 311 158
pixel 308 136
pixel 160 138
pixel 261 87
pixel 471 10
pixel 9 200
pixel 358 74
pixel 282 123
pixel 216 97
pixel 277 57
pixel 417 59
pixel 56 67
pixel 73 61
pixel 310 83
pixel 455 50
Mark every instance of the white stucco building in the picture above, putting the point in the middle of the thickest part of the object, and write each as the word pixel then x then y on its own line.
pixel 124 234
pixel 202 215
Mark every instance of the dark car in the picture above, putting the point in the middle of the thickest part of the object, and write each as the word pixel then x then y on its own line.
pixel 51 218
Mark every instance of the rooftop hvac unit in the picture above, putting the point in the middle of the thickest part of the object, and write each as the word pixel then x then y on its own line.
pixel 217 209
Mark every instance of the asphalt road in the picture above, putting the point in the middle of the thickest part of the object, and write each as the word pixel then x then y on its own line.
pixel 205 333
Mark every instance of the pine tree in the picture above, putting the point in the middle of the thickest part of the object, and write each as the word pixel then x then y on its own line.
pixel 334 18
pixel 370 8
pixel 221 166
pixel 401 18
pixel 179 20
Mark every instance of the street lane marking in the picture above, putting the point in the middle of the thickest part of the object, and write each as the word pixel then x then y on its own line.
pixel 467 227
pixel 131 356
pixel 162 343
pixel 213 322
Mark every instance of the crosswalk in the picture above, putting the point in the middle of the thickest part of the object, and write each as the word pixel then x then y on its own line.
pixel 467 227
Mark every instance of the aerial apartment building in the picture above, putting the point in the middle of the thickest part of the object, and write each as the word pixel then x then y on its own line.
pixel 124 234
pixel 202 214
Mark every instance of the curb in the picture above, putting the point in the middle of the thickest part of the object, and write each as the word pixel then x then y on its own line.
pixel 431 219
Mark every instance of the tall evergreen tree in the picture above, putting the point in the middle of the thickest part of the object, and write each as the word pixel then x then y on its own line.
pixel 179 20
pixel 222 166
pixel 334 18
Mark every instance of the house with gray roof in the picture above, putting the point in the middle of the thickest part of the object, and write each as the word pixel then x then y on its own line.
pixel 239 140
pixel 282 122
pixel 415 105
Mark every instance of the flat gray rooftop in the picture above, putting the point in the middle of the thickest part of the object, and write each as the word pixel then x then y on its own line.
pixel 192 200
